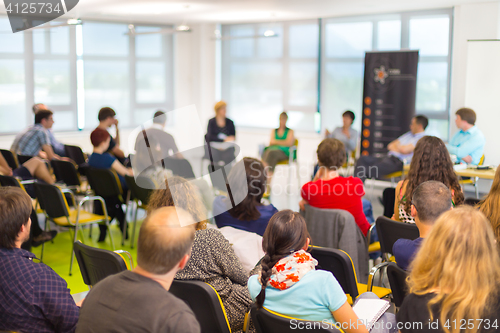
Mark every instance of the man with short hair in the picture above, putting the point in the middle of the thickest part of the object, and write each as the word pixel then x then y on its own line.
pixel 139 300
pixel 33 298
pixel 468 143
pixel 430 200
pixel 36 138
pixel 400 152
pixel 107 119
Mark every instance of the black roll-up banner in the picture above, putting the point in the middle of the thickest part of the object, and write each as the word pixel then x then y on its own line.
pixel 389 94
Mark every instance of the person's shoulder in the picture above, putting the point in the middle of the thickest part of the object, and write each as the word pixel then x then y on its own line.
pixel 209 234
pixel 402 244
pixel 351 180
pixel 229 121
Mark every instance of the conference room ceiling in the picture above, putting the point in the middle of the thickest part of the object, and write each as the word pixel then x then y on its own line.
pixel 231 11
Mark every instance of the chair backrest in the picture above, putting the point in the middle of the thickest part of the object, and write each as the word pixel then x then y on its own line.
pixel 340 264
pixel 21 159
pixel 97 264
pixel 389 231
pixel 75 153
pixel 267 321
pixel 139 192
pixel 104 182
pixel 397 280
pixel 51 200
pixel 206 304
pixel 10 158
pixel 481 161
pixel 179 166
pixel 66 172
pixel 9 181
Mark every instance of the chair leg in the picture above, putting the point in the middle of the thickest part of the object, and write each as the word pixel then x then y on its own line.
pixel 476 187
pixel 90 230
pixel 73 249
pixel 110 237
pixel 135 226
pixel 125 225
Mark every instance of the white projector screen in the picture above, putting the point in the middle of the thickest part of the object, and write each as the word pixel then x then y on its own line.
pixel 482 93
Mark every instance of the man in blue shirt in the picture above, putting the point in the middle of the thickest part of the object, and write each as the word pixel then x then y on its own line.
pixel 468 143
pixel 400 153
pixel 430 200
pixel 33 298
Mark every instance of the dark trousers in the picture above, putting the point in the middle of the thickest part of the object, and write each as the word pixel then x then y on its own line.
pixel 115 211
pixel 376 167
pixel 34 231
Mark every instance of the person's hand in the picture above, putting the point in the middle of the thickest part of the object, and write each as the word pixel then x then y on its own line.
pixel 115 122
pixel 43 155
pixel 229 138
pixel 467 159
pixel 80 303
pixel 327 133
pixel 302 204
pixel 130 172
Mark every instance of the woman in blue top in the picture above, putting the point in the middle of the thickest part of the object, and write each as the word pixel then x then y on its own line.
pixel 288 282
pixel 249 213
pixel 100 159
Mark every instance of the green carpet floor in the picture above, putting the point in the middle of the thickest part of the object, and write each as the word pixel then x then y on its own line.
pixel 57 255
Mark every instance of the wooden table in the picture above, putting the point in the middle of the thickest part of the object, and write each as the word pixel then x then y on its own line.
pixel 473 173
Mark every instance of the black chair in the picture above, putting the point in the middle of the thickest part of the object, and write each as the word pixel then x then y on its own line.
pixel 472 201
pixel 397 279
pixel 206 304
pixel 179 167
pixel 267 321
pixel 10 158
pixel 140 195
pixel 340 265
pixel 21 159
pixel 97 264
pixel 15 182
pixel 53 201
pixel 75 153
pixel 66 173
pixel 388 199
pixel 389 231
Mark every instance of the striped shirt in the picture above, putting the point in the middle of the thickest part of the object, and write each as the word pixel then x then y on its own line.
pixel 31 142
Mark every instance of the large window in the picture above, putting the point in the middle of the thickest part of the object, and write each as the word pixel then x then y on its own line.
pixel 262 76
pixel 76 70
pixel 345 42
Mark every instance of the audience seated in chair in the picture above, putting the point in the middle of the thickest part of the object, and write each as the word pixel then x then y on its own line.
pixel 400 152
pixel 288 282
pixel 468 143
pixel 430 200
pixel 35 140
pixel 331 191
pixel 431 161
pixel 33 298
pixel 345 133
pixel 455 277
pixel 212 258
pixel 139 300
pixel 220 129
pixel 107 119
pixel 250 214
pixel 489 206
pixel 101 159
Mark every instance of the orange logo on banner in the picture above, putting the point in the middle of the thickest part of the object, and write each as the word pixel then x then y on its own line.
pixel 367 122
pixel 368 111
pixel 366 143
pixel 368 100
pixel 366 133
pixel 364 153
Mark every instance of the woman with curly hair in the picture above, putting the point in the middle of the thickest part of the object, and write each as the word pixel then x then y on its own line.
pixel 212 258
pixel 431 161
pixel 454 278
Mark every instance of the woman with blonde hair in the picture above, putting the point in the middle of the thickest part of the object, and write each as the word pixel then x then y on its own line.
pixel 212 258
pixel 454 279
pixel 490 206
pixel 220 129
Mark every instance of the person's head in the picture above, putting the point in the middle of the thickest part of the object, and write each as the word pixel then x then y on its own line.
pixel 220 109
pixel 255 177
pixel 163 243
pixel 459 262
pixel 418 124
pixel 431 161
pixel 180 193
pixel 465 118
pixel 283 119
pixel 348 118
pixel 285 234
pixel 430 200
pixel 106 116
pixel 44 118
pixel 15 222
pixel 39 106
pixel 160 118
pixel 331 154
pixel 490 206
pixel 100 138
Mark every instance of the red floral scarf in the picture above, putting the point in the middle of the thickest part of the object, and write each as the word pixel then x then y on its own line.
pixel 291 269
